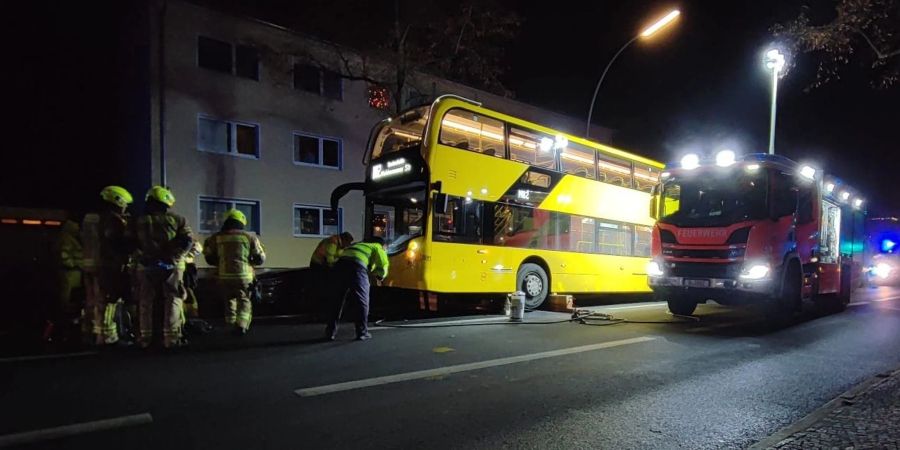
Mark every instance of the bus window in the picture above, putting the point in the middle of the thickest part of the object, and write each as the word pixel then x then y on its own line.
pixel 614 238
pixel 642 237
pixel 581 238
pixel 469 131
pixel 383 222
pixel 405 131
pixel 578 160
pixel 613 171
pixel 531 147
pixel 461 223
pixel 645 177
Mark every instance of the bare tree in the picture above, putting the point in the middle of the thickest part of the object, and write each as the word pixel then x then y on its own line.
pixel 395 43
pixel 858 30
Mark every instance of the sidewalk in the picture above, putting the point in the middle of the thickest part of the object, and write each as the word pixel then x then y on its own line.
pixel 865 417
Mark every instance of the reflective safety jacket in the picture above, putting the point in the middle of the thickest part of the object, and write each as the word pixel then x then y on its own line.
pixel 163 238
pixel 105 241
pixel 327 252
pixel 235 253
pixel 69 247
pixel 370 255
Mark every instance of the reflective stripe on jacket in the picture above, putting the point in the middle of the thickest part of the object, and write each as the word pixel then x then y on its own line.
pixel 234 252
pixel 370 255
pixel 327 252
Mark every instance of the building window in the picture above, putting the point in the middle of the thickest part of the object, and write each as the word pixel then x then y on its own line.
pixel 246 62
pixel 317 151
pixel 318 81
pixel 212 210
pixel 240 60
pixel 317 221
pixel 220 136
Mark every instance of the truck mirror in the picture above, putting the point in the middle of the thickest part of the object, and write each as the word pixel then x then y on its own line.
pixel 440 203
pixel 654 207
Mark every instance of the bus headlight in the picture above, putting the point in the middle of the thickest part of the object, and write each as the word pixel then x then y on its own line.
pixel 412 250
pixel 755 272
pixel 654 269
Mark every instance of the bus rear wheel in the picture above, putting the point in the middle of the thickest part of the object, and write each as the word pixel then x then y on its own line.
pixel 533 281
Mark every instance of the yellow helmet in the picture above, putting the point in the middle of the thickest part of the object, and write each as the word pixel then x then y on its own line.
pixel 161 195
pixel 236 215
pixel 116 195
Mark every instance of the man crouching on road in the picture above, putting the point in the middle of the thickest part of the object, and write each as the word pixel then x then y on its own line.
pixel 351 279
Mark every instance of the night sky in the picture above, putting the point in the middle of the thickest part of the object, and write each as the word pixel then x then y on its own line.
pixel 698 86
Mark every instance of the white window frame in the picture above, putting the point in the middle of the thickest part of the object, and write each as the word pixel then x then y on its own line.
pixel 322 210
pixel 232 144
pixel 321 139
pixel 234 46
pixel 233 201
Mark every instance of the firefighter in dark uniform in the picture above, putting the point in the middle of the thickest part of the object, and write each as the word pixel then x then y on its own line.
pixel 351 277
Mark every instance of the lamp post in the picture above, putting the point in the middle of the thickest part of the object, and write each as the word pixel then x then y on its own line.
pixel 649 31
pixel 774 61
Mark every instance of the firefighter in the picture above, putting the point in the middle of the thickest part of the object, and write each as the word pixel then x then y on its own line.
pixel 68 249
pixel 235 252
pixel 321 264
pixel 106 247
pixel 163 239
pixel 352 279
pixel 329 250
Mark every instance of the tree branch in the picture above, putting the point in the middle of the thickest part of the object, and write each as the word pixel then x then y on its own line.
pixel 878 53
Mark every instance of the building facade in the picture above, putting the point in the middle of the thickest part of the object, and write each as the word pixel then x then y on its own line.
pixel 239 119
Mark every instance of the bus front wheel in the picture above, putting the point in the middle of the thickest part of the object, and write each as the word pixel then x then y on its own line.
pixel 533 281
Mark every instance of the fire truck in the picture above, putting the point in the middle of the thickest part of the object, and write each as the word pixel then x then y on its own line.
pixel 760 229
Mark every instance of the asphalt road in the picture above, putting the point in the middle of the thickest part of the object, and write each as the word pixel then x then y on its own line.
pixel 724 381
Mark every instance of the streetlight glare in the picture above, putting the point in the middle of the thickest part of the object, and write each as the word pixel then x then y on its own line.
pixel 774 60
pixel 667 19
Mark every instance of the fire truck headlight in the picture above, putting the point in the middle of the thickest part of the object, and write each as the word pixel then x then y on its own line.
pixel 882 270
pixel 690 161
pixel 725 158
pixel 755 272
pixel 654 269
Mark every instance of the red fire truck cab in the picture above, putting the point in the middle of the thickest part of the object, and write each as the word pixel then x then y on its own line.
pixel 760 229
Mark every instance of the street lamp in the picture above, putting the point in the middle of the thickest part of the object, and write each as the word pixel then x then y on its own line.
pixel 649 31
pixel 774 61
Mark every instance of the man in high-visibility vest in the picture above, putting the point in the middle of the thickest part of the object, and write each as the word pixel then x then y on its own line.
pixel 163 238
pixel 329 250
pixel 235 252
pixel 352 281
pixel 106 247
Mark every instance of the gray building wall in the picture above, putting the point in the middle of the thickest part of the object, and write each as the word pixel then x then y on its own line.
pixel 279 110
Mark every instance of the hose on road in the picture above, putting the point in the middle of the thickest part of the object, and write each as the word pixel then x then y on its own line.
pixel 583 317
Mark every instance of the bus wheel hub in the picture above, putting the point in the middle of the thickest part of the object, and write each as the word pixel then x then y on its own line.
pixel 533 285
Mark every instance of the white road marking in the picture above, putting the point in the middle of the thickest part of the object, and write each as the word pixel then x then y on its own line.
pixel 46 434
pixel 887 299
pixel 420 374
pixel 499 319
pixel 40 357
pixel 858 303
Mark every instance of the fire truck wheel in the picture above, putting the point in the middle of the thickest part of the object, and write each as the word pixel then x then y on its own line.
pixel 533 281
pixel 781 307
pixel 681 305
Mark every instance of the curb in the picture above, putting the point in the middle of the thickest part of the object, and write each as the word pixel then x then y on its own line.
pixel 824 410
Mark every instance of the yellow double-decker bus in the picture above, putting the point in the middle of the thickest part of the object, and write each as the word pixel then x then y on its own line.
pixel 471 200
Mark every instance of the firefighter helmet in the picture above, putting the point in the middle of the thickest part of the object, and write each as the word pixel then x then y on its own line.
pixel 116 195
pixel 236 215
pixel 162 195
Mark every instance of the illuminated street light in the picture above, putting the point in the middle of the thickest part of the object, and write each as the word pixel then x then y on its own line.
pixel 774 61
pixel 647 33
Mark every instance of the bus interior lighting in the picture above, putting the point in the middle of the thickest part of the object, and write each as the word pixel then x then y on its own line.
pixel 9 221
pixel 845 196
pixel 829 187
pixel 665 175
pixel 561 142
pixel 52 223
pixel 858 203
pixel 546 144
pixel 30 222
pixel 753 167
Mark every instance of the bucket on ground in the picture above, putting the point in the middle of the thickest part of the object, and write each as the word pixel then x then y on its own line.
pixel 516 306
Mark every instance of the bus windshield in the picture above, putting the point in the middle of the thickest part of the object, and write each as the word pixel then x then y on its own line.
pixel 397 219
pixel 404 131
pixel 701 200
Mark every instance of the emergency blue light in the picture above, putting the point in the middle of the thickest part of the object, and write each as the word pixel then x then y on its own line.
pixel 887 246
